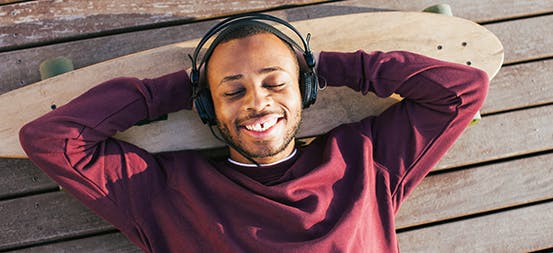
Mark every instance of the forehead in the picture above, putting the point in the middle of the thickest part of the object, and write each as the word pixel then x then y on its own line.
pixel 263 48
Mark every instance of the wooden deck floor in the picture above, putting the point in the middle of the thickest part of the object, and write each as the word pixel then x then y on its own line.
pixel 492 192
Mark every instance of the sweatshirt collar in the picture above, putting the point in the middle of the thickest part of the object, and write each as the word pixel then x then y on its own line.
pixel 265 164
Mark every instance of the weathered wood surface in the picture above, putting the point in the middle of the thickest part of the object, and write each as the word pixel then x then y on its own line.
pixel 519 230
pixel 477 190
pixel 476 10
pixel 20 67
pixel 502 136
pixel 10 1
pixel 112 242
pixel 43 21
pixel 412 31
pixel 40 22
pixel 439 197
pixel 496 137
pixel 520 86
pixel 44 217
pixel 526 39
pixel 514 87
pixel 511 183
pixel 20 177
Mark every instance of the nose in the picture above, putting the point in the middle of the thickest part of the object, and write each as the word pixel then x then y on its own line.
pixel 257 99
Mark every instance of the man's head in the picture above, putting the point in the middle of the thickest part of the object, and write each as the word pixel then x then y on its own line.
pixel 253 78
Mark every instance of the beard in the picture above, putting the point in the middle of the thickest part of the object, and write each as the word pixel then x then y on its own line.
pixel 263 148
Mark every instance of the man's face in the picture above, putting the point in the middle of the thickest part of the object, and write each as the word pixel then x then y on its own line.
pixel 255 91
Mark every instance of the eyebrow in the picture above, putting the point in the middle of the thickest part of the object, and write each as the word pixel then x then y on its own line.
pixel 261 71
pixel 270 69
pixel 231 78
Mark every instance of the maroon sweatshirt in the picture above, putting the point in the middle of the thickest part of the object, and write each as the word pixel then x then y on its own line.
pixel 338 194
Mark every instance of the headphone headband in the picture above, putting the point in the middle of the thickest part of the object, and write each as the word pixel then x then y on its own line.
pixel 248 17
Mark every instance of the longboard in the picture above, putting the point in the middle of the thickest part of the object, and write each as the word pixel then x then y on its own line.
pixel 440 36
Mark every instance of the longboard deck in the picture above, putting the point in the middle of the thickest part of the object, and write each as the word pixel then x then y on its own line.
pixel 447 38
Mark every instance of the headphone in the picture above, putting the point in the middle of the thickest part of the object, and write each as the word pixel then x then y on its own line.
pixel 202 98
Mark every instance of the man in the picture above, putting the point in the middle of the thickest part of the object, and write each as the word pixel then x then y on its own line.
pixel 338 194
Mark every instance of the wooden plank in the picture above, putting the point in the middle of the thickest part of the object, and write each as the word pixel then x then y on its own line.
pixel 477 190
pixel 46 21
pixel 520 86
pixel 10 1
pixel 439 197
pixel 497 136
pixel 400 25
pixel 45 217
pixel 525 39
pixel 502 136
pixel 519 230
pixel 20 67
pixel 24 22
pixel 20 176
pixel 476 10
pixel 113 242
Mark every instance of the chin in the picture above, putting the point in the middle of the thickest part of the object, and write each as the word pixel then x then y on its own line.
pixel 264 149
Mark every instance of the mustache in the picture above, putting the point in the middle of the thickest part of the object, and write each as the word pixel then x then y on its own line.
pixel 256 115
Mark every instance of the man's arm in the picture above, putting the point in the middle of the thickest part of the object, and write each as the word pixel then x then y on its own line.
pixel 409 138
pixel 73 143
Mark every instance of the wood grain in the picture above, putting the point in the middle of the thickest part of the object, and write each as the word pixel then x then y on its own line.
pixel 44 217
pixel 520 86
pixel 183 130
pixel 20 67
pixel 502 136
pixel 525 39
pixel 477 190
pixel 45 21
pixel 112 242
pixel 495 137
pixel 57 216
pixel 10 1
pixel 519 230
pixel 41 22
pixel 476 10
pixel 20 176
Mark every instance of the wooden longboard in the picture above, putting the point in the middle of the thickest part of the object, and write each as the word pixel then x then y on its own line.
pixel 443 37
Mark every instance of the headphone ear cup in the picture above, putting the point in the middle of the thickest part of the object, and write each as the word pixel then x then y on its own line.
pixel 204 106
pixel 309 85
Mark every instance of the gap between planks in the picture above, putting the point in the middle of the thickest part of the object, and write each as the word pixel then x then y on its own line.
pixel 478 190
pixel 438 199
pixel 517 230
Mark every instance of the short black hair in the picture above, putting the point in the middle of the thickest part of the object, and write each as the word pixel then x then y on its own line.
pixel 243 30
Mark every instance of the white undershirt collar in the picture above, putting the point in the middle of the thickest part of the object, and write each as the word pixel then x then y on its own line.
pixel 263 165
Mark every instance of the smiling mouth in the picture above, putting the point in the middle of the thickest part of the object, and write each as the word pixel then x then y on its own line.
pixel 262 126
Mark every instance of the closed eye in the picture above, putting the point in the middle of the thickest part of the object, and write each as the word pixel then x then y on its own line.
pixel 274 86
pixel 233 93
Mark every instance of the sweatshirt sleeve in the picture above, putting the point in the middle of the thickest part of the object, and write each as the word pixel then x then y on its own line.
pixel 73 144
pixel 409 138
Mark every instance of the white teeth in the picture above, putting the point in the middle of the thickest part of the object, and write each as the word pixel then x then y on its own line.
pixel 260 127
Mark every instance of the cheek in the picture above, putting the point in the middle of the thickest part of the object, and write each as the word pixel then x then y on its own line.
pixel 293 98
